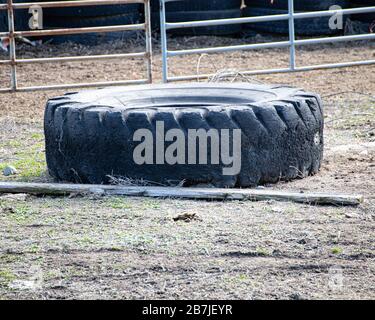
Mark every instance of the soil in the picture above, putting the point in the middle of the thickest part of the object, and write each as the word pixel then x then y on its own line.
pixel 135 248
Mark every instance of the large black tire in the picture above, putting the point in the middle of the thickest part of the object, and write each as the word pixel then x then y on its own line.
pixel 364 3
pixel 61 22
pixel 93 11
pixel 299 5
pixel 203 5
pixel 204 15
pixel 91 38
pixel 198 5
pixel 3 21
pixel 21 19
pixel 364 17
pixel 303 27
pixel 89 135
pixel 194 10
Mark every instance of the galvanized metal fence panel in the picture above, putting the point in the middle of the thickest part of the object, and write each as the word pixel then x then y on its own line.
pixel 292 43
pixel 12 34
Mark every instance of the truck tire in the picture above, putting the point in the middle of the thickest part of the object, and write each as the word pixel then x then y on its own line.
pixel 364 3
pixel 61 22
pixel 198 10
pixel 300 5
pixel 205 15
pixel 91 38
pixel 21 19
pixel 203 5
pixel 303 27
pixel 92 11
pixel 197 5
pixel 3 21
pixel 364 17
pixel 89 135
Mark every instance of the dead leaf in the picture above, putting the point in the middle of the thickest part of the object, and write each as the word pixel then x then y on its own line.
pixel 187 217
pixel 8 210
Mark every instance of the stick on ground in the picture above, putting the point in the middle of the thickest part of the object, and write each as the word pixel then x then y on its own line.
pixel 187 193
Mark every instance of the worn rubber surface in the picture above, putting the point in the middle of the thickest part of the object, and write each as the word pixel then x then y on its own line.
pixel 92 38
pixel 197 5
pixel 196 10
pixel 364 17
pixel 299 5
pixel 21 18
pixel 93 11
pixel 204 15
pixel 364 3
pixel 197 16
pixel 89 135
pixel 3 21
pixel 304 27
pixel 78 22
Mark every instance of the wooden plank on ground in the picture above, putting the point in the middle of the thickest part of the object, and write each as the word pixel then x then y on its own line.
pixel 187 193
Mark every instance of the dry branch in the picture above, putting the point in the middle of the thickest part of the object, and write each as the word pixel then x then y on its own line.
pixel 187 193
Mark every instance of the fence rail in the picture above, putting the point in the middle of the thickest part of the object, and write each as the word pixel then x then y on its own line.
pixel 292 43
pixel 12 34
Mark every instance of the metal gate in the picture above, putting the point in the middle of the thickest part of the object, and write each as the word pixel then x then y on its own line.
pixel 292 43
pixel 12 34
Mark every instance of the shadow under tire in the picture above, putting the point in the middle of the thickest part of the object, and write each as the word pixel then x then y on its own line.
pixel 89 135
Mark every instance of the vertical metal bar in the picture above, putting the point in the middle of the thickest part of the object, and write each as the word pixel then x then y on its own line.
pixel 148 39
pixel 292 35
pixel 12 46
pixel 164 45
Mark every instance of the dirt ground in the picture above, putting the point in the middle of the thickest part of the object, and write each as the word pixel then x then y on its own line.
pixel 132 248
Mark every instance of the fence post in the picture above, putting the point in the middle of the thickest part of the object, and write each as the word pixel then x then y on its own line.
pixel 292 35
pixel 12 46
pixel 148 39
pixel 164 46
